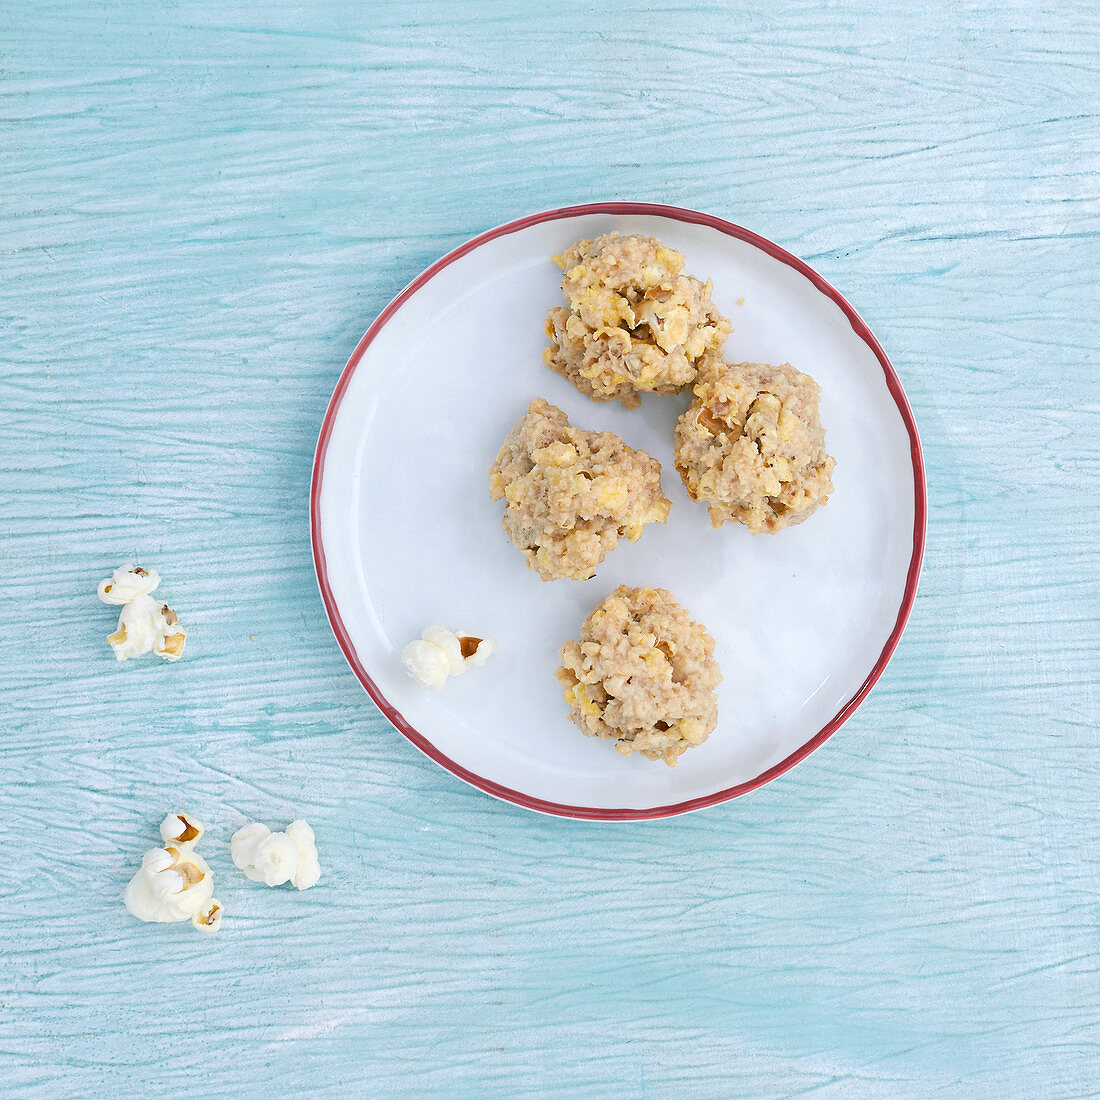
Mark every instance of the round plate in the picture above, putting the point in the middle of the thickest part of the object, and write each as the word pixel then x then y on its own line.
pixel 404 533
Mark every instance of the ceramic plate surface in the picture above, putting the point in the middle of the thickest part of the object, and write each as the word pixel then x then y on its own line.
pixel 404 533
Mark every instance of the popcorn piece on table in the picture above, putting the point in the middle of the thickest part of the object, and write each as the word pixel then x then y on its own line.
pixel 439 653
pixel 208 916
pixel 127 583
pixel 174 883
pixel 144 626
pixel 275 858
pixel 180 829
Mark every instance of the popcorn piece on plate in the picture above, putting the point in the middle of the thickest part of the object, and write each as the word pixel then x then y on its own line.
pixel 439 653
pixel 275 858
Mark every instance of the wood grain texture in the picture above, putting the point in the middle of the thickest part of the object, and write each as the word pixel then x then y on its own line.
pixel 204 206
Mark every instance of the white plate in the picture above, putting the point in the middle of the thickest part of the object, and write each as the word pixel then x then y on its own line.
pixel 404 533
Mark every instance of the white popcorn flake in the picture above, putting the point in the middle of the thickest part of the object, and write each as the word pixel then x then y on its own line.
pixel 181 829
pixel 308 871
pixel 440 653
pixel 426 663
pixel 127 583
pixel 174 883
pixel 208 916
pixel 145 626
pixel 275 858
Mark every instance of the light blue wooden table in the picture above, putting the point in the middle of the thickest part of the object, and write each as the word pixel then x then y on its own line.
pixel 204 205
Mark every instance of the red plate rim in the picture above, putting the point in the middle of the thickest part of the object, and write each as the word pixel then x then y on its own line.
pixel 591 813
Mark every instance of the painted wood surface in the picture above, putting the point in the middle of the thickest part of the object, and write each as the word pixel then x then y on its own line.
pixel 204 206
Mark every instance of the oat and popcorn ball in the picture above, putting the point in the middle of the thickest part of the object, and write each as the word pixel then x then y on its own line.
pixel 751 446
pixel 642 675
pixel 570 494
pixel 635 323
